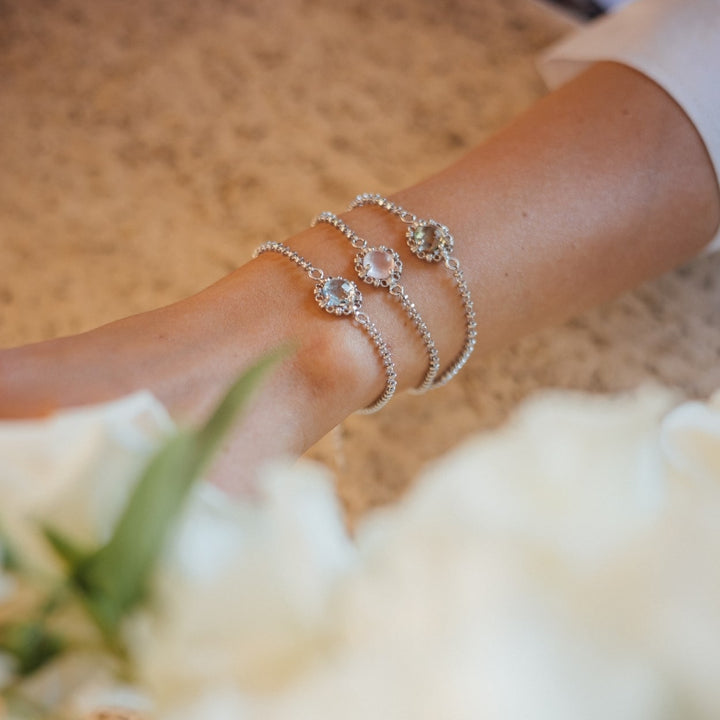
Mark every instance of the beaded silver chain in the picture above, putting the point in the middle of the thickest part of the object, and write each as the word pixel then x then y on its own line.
pixel 432 241
pixel 339 296
pixel 381 267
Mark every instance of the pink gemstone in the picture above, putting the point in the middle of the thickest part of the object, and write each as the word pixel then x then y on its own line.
pixel 378 264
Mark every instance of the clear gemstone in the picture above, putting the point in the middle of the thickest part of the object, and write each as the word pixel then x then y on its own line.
pixel 339 292
pixel 428 238
pixel 378 264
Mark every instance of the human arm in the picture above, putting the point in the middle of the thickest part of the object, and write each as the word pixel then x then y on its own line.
pixel 599 186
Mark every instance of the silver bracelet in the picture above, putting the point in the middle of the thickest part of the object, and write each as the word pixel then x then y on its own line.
pixel 432 241
pixel 339 296
pixel 381 267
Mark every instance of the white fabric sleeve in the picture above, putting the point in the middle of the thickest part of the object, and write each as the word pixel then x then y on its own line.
pixel 676 43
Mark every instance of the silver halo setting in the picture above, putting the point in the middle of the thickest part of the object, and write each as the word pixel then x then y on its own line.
pixel 378 266
pixel 429 240
pixel 338 296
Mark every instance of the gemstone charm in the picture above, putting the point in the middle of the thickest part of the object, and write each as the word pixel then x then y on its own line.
pixel 429 240
pixel 338 296
pixel 379 266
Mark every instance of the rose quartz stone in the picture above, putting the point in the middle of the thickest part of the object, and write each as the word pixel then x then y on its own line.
pixel 378 264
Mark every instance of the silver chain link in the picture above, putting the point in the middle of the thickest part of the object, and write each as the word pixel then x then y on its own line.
pixel 452 264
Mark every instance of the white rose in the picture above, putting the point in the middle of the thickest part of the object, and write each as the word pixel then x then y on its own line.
pixel 243 592
pixel 74 470
pixel 557 568
pixel 563 566
pixel 71 471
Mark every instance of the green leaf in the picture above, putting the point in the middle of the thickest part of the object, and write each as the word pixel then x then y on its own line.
pixel 66 549
pixel 31 644
pixel 115 579
pixel 9 558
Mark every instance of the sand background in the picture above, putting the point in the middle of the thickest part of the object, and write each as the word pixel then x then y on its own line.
pixel 147 147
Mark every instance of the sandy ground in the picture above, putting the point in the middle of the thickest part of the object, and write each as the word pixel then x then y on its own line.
pixel 146 147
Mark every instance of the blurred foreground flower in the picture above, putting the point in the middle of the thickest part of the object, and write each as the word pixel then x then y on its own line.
pixel 564 566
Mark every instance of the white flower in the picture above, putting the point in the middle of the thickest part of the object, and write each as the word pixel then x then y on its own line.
pixel 562 567
pixel 73 471
pixel 558 568
pixel 98 697
pixel 213 702
pixel 243 594
pixel 489 591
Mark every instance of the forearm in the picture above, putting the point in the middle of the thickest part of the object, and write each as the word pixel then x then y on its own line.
pixel 598 187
